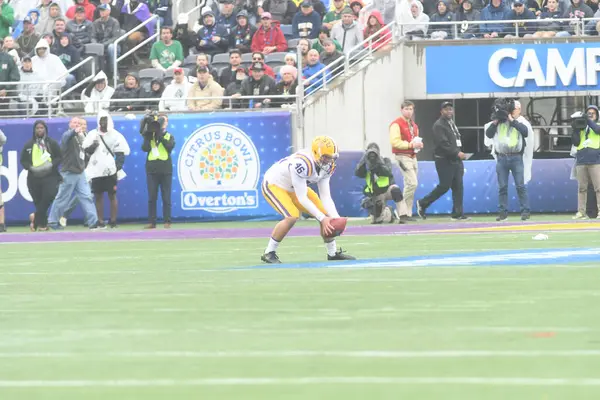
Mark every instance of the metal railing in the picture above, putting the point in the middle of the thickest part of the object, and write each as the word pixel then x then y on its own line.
pixel 74 68
pixel 29 98
pixel 190 11
pixel 117 58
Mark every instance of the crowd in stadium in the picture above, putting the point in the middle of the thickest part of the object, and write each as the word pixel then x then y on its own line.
pixel 237 47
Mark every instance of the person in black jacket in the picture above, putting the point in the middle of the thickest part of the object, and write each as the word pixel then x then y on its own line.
pixel 41 157
pixel 258 84
pixel 448 164
pixel 159 144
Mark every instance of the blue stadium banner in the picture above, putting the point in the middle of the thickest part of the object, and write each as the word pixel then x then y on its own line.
pixel 218 163
pixel 484 69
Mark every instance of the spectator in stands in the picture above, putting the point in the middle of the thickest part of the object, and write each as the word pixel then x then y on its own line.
pixel 44 9
pixel 205 86
pixel 552 27
pixel 334 16
pixel 46 24
pixel 304 46
pixel 290 59
pixel 268 38
pixel 260 58
pixel 258 84
pixel 69 56
pixel 242 33
pixel 212 38
pixel 183 34
pixel 29 93
pixel 115 8
pixel 593 4
pixel 8 73
pixel 133 13
pixel 323 35
pixel 286 87
pixel 174 98
pixel 228 74
pixel 7 18
pixel 251 7
pixel 469 29
pixel 60 29
pixel 440 32
pixel 9 44
pixel 28 38
pixel 166 53
pixel 50 66
pixel 519 12
pixel 235 86
pixel 591 27
pixel 49 37
pixel 153 96
pixel 129 89
pixel 226 18
pixel 164 10
pixel 282 11
pixel 317 5
pixel 98 94
pixel 387 8
pixel 307 22
pixel 410 12
pixel 358 13
pixel 495 11
pixel 41 157
pixel 107 30
pixel 330 53
pixel 576 11
pixel 349 34
pixel 32 18
pixel 202 61
pixel 314 69
pixel 381 38
pixel 81 28
pixel 88 8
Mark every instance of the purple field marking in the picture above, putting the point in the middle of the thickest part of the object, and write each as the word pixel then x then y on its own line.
pixel 239 233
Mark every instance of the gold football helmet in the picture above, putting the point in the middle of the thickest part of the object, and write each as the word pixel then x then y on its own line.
pixel 325 152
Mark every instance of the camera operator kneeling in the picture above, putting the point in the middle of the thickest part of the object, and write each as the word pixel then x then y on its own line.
pixel 586 138
pixel 379 187
pixel 158 143
pixel 508 131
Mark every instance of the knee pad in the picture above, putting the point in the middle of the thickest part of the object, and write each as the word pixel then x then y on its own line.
pixel 396 193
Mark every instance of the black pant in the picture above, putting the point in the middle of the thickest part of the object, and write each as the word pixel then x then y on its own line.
pixel 591 206
pixel 450 174
pixel 43 191
pixel 154 181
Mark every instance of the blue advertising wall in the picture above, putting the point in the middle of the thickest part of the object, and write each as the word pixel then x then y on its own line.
pixel 550 189
pixel 512 68
pixel 218 161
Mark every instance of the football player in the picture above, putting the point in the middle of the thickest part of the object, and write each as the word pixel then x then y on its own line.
pixel 285 187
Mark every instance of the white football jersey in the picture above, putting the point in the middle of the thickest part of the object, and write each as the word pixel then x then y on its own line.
pixel 302 164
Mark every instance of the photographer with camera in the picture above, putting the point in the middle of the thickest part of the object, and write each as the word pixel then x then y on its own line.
pixel 379 187
pixel 159 144
pixel 586 139
pixel 508 133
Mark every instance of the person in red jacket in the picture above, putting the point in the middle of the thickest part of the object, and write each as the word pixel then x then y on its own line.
pixel 89 9
pixel 268 38
pixel 406 143
pixel 374 25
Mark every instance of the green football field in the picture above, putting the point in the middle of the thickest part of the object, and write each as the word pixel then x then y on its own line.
pixel 200 318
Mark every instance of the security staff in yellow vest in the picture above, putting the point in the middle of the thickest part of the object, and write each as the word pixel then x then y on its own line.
pixel 508 136
pixel 379 186
pixel 158 143
pixel 41 157
pixel 586 138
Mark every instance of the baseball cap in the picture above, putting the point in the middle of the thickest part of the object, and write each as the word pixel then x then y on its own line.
pixel 201 69
pixel 104 7
pixel 447 104
pixel 306 3
pixel 347 11
pixel 178 70
pixel 258 66
pixel 27 19
pixel 518 3
pixel 80 9
pixel 26 58
pixel 266 15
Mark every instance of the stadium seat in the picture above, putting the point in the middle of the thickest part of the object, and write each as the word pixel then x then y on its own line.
pixel 151 73
pixel 189 61
pixel 93 49
pixel 246 58
pixel 220 60
pixel 287 31
pixel 275 59
pixel 293 43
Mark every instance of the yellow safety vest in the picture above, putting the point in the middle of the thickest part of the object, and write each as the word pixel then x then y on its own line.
pixel 163 154
pixel 37 156
pixel 509 135
pixel 382 181
pixel 593 137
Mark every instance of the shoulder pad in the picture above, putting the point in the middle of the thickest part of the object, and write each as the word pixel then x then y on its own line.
pixel 302 165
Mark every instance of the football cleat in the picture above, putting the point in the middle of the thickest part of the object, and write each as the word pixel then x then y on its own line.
pixel 340 256
pixel 270 258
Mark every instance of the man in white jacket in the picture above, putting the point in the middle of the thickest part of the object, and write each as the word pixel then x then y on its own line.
pixel 51 67
pixel 109 149
pixel 97 95
pixel 174 97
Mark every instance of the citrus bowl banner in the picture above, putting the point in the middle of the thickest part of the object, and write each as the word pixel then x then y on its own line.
pixel 218 163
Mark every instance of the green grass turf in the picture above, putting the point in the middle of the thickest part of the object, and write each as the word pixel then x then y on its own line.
pixel 93 313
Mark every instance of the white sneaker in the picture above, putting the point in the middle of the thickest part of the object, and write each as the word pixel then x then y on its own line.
pixel 580 216
pixel 63 222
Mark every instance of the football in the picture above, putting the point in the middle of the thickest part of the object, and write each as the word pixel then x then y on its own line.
pixel 339 224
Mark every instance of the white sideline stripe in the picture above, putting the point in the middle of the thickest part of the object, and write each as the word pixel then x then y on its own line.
pixel 260 381
pixel 310 353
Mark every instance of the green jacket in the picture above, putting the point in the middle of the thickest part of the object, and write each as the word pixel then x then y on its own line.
pixel 319 47
pixel 7 19
pixel 9 72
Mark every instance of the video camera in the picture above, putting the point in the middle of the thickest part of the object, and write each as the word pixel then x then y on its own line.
pixel 502 108
pixel 152 124
pixel 372 157
pixel 579 120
